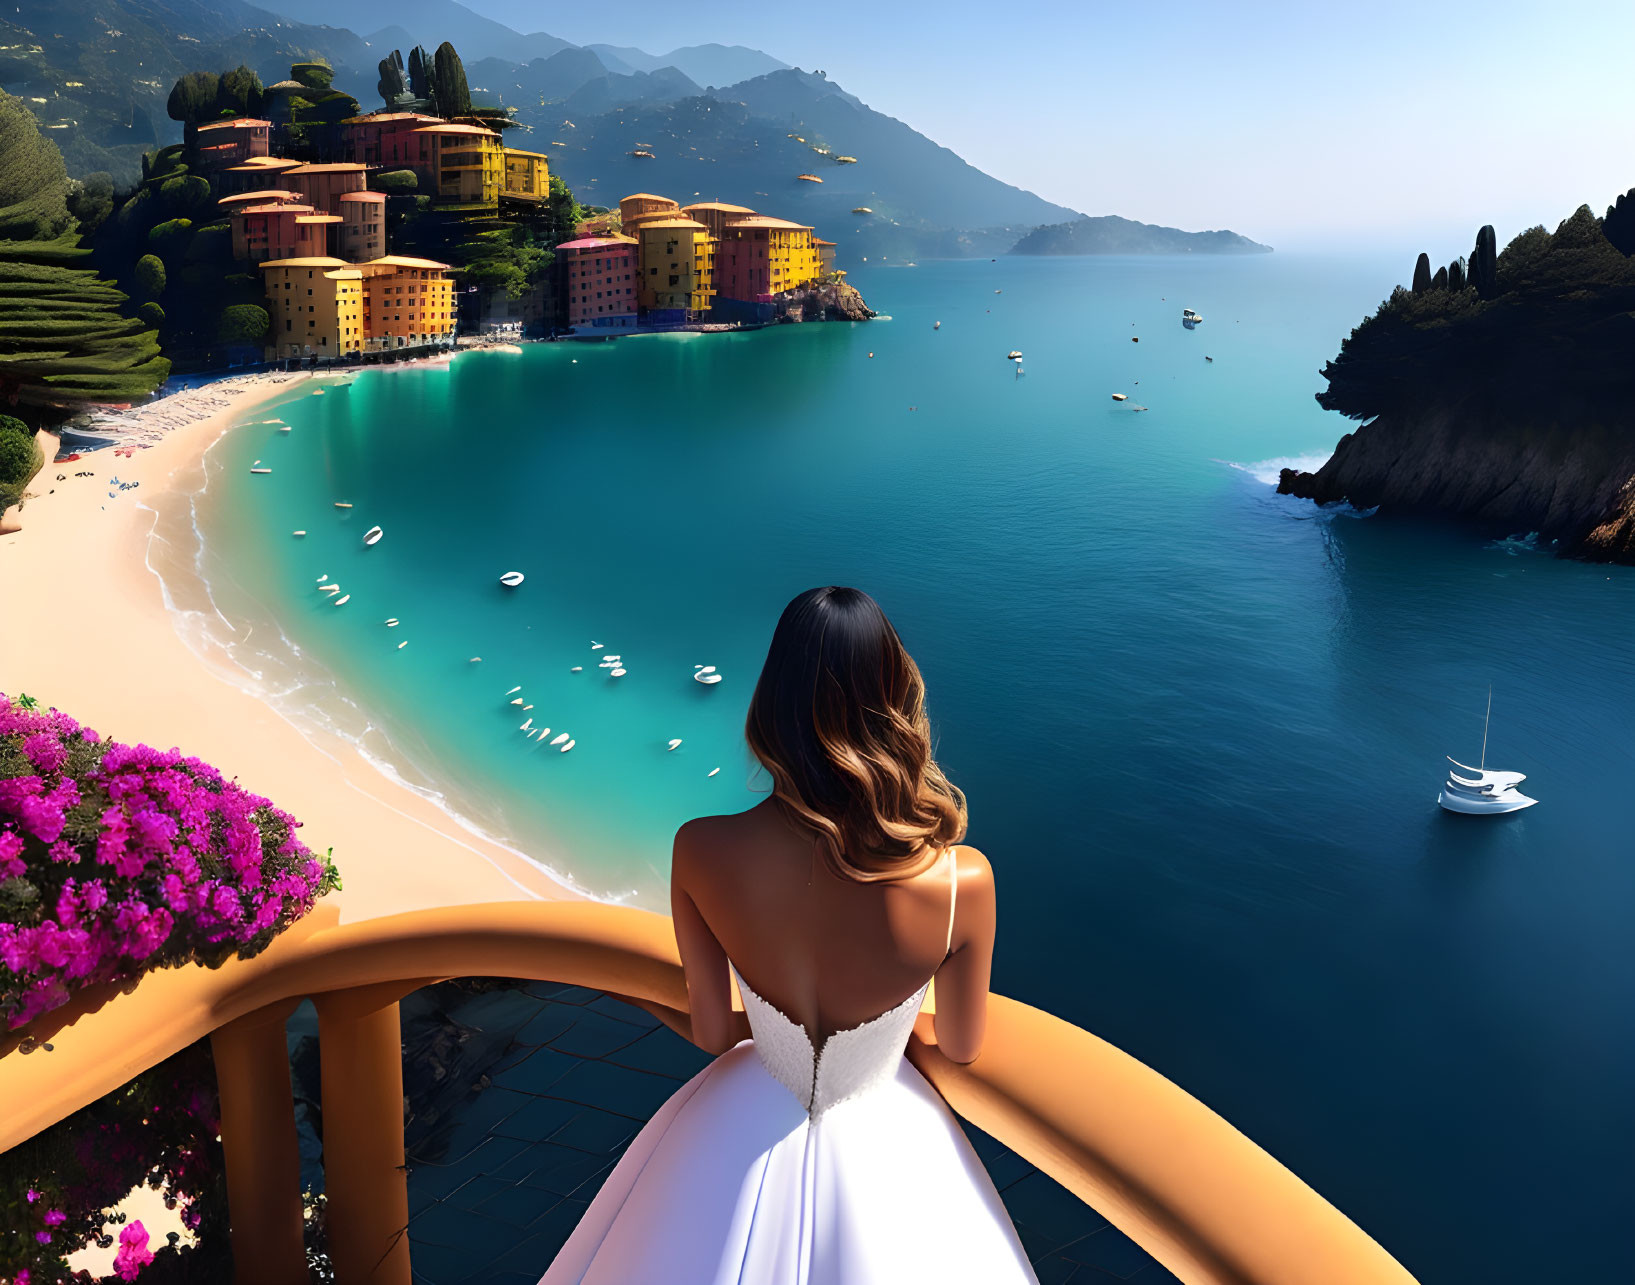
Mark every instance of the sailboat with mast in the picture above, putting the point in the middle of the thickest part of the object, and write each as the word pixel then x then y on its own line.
pixel 1475 790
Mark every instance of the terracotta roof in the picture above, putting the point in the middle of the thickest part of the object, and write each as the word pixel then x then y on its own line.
pixel 373 118
pixel 647 196
pixel 517 151
pixel 363 196
pixel 767 221
pixel 318 218
pixel 241 122
pixel 310 261
pixel 817 240
pixel 458 129
pixel 286 207
pixel 674 223
pixel 338 167
pixel 266 193
pixel 718 205
pixel 253 163
pixel 597 242
pixel 402 261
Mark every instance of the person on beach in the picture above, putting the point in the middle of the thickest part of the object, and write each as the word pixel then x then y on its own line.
pixel 810 1150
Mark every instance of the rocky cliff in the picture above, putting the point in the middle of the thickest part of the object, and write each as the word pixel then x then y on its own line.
pixel 832 301
pixel 1567 477
pixel 1499 390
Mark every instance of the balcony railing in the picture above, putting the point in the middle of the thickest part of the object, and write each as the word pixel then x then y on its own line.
pixel 1192 1191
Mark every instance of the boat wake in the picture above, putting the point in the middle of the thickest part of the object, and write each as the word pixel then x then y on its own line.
pixel 243 645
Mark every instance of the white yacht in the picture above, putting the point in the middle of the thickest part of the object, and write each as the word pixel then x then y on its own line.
pixel 511 579
pixel 1475 791
pixel 372 536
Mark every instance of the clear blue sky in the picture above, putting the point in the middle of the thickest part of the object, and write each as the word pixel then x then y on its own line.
pixel 1299 124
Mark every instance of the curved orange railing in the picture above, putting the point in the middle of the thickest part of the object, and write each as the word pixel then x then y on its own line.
pixel 1180 1181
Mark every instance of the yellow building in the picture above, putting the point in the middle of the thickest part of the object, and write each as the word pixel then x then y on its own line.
pixel 407 302
pixel 527 175
pixel 644 207
pixel 464 165
pixel 677 264
pixel 316 307
pixel 759 256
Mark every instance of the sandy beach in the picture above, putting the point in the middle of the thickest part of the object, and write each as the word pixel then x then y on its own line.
pixel 88 631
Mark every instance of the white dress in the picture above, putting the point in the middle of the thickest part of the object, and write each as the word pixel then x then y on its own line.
pixel 781 1164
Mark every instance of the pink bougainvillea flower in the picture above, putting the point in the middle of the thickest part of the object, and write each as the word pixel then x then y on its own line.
pixel 134 1253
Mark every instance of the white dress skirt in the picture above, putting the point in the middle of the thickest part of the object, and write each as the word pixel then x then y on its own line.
pixel 776 1165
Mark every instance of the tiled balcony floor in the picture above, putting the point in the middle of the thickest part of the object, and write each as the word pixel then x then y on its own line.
pixel 523 1098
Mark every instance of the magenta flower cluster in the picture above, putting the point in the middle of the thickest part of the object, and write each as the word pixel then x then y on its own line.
pixel 116 859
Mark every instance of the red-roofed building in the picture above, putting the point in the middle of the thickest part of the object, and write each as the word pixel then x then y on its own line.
pixel 280 230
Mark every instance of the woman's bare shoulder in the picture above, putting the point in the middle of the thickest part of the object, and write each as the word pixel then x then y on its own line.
pixel 706 844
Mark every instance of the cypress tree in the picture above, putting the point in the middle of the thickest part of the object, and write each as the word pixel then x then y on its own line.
pixel 1484 263
pixel 1422 274
pixel 449 75
pixel 238 93
pixel 393 85
pixel 1456 274
pixel 1440 280
pixel 420 77
pixel 63 339
pixel 1619 225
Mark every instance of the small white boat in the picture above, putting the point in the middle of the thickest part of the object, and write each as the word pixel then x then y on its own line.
pixel 569 746
pixel 533 734
pixel 475 660
pixel 557 740
pixel 1475 791
pixel 526 708
pixel 403 644
pixel 511 579
pixel 672 745
pixel 619 673
pixel 514 690
pixel 329 588
pixel 712 771
pixel 1015 354
pixel 283 428
pixel 323 577
pixel 595 646
pixel 1121 397
pixel 392 623
pixel 372 536
pixel 526 724
pixel 706 679
pixel 517 701
pixel 298 533
pixel 261 470
pixel 577 669
pixel 543 733
pixel 343 600
pixel 342 504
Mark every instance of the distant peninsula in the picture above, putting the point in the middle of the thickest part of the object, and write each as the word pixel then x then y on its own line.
pixel 1500 390
pixel 1109 234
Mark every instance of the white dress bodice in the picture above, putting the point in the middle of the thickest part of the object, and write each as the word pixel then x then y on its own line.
pixel 850 1062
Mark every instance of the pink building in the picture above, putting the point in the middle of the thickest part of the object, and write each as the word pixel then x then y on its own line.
pixel 601 279
pixel 363 225
pixel 280 230
pixel 322 186
pixel 387 139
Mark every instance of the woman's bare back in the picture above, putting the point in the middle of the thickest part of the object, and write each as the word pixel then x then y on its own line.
pixel 829 952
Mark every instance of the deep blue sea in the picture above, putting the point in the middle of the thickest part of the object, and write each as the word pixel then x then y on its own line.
pixel 1201 726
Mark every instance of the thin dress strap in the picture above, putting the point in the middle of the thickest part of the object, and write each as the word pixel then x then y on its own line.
pixel 953 900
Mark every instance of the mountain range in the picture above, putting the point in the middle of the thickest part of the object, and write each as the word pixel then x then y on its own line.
pixel 706 121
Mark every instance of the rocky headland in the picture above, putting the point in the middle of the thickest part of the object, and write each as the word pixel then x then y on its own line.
pixel 829 301
pixel 1499 390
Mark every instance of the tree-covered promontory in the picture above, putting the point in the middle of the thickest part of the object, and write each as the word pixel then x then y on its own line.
pixel 1552 316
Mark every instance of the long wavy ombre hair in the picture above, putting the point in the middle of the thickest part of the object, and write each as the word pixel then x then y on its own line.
pixel 838 720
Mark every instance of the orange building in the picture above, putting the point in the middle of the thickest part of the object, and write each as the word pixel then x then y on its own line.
pixel 363 225
pixel 715 214
pixel 461 165
pixel 644 207
pixel 322 186
pixel 232 142
pixel 257 172
pixel 406 302
pixel 601 275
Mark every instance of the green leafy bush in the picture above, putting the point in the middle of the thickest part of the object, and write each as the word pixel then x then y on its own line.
pixel 185 194
pixel 243 323
pixel 170 237
pixel 151 314
pixel 149 276
pixel 395 181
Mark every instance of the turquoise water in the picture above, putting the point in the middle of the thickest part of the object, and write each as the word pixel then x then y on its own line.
pixel 1201 726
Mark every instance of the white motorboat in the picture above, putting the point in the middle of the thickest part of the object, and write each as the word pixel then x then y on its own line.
pixel 299 533
pixel 261 470
pixel 706 674
pixel 569 746
pixel 372 536
pixel 619 672
pixel 511 579
pixel 672 745
pixel 514 691
pixel 343 600
pixel 1475 791
pixel 392 623
pixel 558 739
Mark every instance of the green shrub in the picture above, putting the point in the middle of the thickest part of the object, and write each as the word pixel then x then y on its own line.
pixel 149 276
pixel 185 194
pixel 16 452
pixel 314 75
pixel 396 181
pixel 170 237
pixel 243 323
pixel 152 315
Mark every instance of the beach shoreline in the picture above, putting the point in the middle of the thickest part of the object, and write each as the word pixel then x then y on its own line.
pixel 99 640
